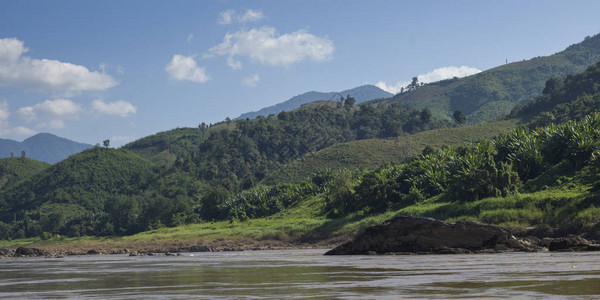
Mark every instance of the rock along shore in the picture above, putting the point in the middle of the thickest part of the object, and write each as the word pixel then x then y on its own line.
pixel 415 235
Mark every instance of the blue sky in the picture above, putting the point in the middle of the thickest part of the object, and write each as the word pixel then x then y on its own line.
pixel 122 70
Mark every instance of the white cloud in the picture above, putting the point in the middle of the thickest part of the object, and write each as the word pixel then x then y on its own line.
pixel 118 108
pixel 190 37
pixel 6 130
pixel 392 88
pixel 264 45
pixel 45 74
pixel 226 17
pixel 230 16
pixel 59 108
pixel 433 76
pixel 185 68
pixel 251 81
pixel 251 16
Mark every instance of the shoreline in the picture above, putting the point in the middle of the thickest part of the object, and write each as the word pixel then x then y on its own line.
pixel 166 247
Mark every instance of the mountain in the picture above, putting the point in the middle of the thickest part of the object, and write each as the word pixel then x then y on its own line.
pixel 493 93
pixel 361 94
pixel 44 147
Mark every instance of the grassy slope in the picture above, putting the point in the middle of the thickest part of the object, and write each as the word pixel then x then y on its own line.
pixel 373 153
pixel 493 93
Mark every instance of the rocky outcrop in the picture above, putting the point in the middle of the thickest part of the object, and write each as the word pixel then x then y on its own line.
pixel 30 252
pixel 4 252
pixel 572 243
pixel 429 236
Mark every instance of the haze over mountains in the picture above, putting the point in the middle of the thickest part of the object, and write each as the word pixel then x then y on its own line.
pixel 361 94
pixel 44 147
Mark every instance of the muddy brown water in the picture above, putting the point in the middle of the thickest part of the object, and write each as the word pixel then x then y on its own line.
pixel 303 274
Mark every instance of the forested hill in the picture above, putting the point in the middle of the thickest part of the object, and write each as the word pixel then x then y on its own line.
pixel 44 147
pixel 493 93
pixel 171 177
pixel 361 94
pixel 245 151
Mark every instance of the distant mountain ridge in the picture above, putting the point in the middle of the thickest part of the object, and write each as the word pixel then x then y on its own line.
pixel 493 93
pixel 361 94
pixel 44 147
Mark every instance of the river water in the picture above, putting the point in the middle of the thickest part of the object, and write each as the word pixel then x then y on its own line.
pixel 305 274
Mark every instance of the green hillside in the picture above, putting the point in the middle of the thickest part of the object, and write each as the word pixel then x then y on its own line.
pixel 563 99
pixel 372 153
pixel 74 190
pixel 493 93
pixel 183 175
pixel 13 170
pixel 238 154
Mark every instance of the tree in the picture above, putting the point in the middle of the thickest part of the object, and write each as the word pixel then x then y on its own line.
pixel 459 117
pixel 23 154
pixel 106 143
pixel 228 120
pixel 414 84
pixel 349 101
pixel 426 115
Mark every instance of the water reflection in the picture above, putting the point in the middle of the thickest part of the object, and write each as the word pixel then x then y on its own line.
pixel 303 274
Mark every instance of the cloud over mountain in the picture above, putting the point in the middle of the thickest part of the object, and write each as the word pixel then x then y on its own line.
pixel 118 108
pixel 50 113
pixel 433 76
pixel 267 47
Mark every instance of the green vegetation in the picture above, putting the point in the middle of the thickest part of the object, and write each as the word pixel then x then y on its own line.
pixel 372 153
pixel 13 170
pixel 493 93
pixel 240 154
pixel 189 175
pixel 571 98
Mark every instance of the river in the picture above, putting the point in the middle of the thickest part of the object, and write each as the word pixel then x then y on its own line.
pixel 305 274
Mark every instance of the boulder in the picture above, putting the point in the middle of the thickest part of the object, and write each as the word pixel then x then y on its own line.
pixel 5 252
pixel 428 236
pixel 572 243
pixel 29 252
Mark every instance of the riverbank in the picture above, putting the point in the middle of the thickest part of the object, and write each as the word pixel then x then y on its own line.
pixel 113 246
